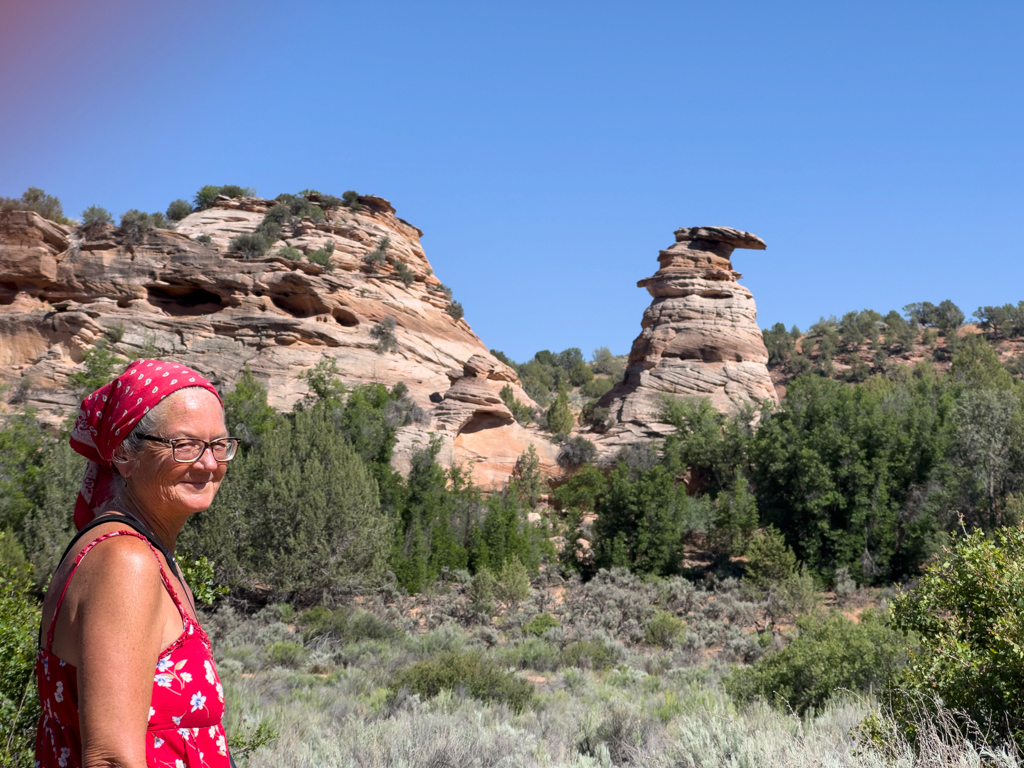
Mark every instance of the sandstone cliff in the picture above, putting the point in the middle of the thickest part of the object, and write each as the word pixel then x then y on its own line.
pixel 700 338
pixel 180 294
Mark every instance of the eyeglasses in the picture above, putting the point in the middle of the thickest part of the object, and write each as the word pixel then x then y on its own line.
pixel 187 450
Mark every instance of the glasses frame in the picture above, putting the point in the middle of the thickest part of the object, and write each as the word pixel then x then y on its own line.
pixel 207 445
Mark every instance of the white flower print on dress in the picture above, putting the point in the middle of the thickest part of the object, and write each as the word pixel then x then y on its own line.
pixel 65 753
pixel 179 764
pixel 164 680
pixel 177 720
pixel 157 742
pixel 151 713
pixel 186 677
pixel 220 692
pixel 59 693
pixel 164 664
pixel 209 672
pixel 198 701
pixel 222 746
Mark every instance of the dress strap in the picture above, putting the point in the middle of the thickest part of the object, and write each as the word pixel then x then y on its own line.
pixel 163 575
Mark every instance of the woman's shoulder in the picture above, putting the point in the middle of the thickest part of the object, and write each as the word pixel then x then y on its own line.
pixel 116 555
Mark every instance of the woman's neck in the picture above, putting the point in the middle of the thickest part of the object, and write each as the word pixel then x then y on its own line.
pixel 165 530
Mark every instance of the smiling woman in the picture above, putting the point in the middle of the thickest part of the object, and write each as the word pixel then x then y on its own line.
pixel 126 675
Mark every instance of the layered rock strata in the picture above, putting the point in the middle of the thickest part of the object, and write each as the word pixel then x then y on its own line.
pixel 700 338
pixel 181 294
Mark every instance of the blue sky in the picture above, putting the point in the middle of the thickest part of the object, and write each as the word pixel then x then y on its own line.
pixel 548 150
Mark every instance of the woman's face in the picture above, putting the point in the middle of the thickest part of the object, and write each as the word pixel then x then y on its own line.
pixel 165 486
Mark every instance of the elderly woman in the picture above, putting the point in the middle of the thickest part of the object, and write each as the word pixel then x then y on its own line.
pixel 126 676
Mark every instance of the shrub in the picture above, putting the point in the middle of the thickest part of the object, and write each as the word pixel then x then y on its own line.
pixel 575 452
pixel 350 199
pixel 596 388
pixel 406 275
pixel 205 239
pixel 455 310
pixel 769 560
pixel 251 245
pixel 135 225
pixel 35 199
pixel 513 584
pixel 345 625
pixel 322 256
pixel 95 218
pixel 829 655
pixel 279 214
pixel 19 618
pixel 99 364
pixel 559 417
pixel 378 255
pixel 206 196
pixel 481 591
pixel 664 629
pixel 480 677
pixel 521 412
pixel 285 654
pixel 540 624
pixel 448 297
pixel 179 209
pixel 287 252
pixel 966 611
pixel 590 654
pixel 329 202
pixel 533 653
pixel 384 333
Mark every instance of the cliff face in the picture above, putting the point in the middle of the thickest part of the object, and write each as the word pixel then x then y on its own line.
pixel 61 291
pixel 700 337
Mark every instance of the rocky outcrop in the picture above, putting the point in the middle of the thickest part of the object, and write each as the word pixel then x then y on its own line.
pixel 700 338
pixel 179 293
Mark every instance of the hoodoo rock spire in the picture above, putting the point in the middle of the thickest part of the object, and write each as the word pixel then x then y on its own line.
pixel 700 337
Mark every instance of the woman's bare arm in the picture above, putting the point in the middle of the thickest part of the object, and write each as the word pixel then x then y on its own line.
pixel 119 624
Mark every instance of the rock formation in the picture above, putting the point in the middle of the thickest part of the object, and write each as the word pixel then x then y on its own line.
pixel 179 293
pixel 700 338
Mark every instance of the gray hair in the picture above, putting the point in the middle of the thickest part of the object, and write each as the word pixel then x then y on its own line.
pixel 131 448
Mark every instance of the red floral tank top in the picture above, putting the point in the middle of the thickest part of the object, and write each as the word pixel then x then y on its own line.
pixel 185 712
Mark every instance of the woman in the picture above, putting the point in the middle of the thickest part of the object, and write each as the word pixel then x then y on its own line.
pixel 126 677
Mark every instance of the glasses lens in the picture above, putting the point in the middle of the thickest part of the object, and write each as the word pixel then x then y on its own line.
pixel 224 450
pixel 188 450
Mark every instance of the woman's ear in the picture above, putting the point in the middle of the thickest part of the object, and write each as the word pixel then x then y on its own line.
pixel 123 465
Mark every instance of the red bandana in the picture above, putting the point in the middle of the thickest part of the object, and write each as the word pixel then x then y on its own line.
pixel 108 415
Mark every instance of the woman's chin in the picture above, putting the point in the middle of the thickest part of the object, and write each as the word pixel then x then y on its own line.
pixel 195 497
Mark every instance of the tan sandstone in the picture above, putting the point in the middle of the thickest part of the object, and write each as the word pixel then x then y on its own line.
pixel 700 338
pixel 62 291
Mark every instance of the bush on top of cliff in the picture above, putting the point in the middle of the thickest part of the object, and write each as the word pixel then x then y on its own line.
pixel 178 210
pixel 204 197
pixel 35 199
pixel 135 225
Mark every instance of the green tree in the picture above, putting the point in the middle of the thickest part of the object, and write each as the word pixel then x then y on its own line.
pixel 966 613
pixel 324 382
pixel 987 452
pixel 100 364
pixel 35 199
pixel 642 521
pixel 178 210
pixel 300 513
pixel 830 655
pixel 19 619
pixel 94 219
pixel 246 412
pixel 559 417
pixel 845 472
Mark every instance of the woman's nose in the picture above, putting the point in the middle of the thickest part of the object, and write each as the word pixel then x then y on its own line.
pixel 206 459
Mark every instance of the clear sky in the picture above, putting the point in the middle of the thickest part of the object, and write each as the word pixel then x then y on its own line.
pixel 549 149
